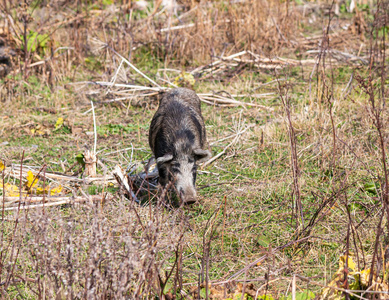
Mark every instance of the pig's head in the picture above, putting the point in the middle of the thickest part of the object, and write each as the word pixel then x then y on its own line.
pixel 181 170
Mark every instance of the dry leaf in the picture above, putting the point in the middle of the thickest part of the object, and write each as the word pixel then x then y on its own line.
pixel 40 130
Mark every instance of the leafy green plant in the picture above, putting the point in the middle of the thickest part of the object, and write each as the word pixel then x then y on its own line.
pixel 36 41
pixel 92 63
pixel 304 295
pixel 371 187
pixel 80 159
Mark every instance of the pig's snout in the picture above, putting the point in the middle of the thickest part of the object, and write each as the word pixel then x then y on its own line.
pixel 188 196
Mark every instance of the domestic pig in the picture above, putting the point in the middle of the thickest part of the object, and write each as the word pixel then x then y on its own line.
pixel 178 140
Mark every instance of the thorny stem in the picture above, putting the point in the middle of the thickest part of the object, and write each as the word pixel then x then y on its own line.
pixel 355 235
pixel 382 140
pixel 25 20
pixel 292 138
pixel 345 270
pixel 2 229
pixel 376 109
pixel 206 246
pixel 378 234
pixel 44 188
pixel 324 49
pixel 9 276
pixel 2 214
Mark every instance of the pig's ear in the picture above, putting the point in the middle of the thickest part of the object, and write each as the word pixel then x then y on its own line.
pixel 164 159
pixel 201 155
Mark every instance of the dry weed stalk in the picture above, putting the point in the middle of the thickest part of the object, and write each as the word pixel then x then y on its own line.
pixel 283 91
pixel 119 252
pixel 376 95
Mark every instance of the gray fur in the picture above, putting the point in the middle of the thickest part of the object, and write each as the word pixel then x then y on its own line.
pixel 178 140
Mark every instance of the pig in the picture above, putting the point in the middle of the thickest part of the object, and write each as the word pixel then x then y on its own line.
pixel 178 141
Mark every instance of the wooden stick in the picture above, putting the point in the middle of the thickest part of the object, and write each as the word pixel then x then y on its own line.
pixel 217 62
pixel 133 67
pixel 16 174
pixel 135 87
pixel 48 198
pixel 231 101
pixel 240 95
pixel 67 200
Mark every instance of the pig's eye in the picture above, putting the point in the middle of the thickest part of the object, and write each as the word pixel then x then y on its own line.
pixel 176 170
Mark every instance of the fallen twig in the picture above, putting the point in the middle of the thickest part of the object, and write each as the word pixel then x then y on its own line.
pixel 16 174
pixel 132 66
pixel 59 201
pixel 342 56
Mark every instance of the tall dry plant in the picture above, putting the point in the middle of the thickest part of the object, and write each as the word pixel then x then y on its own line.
pixel 118 251
pixel 211 29
pixel 283 92
pixel 373 86
pixel 199 32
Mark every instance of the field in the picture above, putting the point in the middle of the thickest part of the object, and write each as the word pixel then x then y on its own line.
pixel 294 203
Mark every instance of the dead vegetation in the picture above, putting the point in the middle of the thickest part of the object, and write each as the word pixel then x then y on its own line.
pixel 294 203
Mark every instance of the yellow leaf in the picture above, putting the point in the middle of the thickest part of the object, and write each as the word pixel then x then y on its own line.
pixel 40 132
pixel 2 166
pixel 53 191
pixel 365 276
pixel 31 180
pixel 338 278
pixel 350 263
pixel 56 190
pixel 37 131
pixel 40 191
pixel 59 123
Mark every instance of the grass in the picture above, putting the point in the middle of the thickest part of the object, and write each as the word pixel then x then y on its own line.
pixel 247 207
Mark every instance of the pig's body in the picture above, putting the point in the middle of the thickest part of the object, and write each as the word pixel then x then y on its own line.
pixel 178 140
